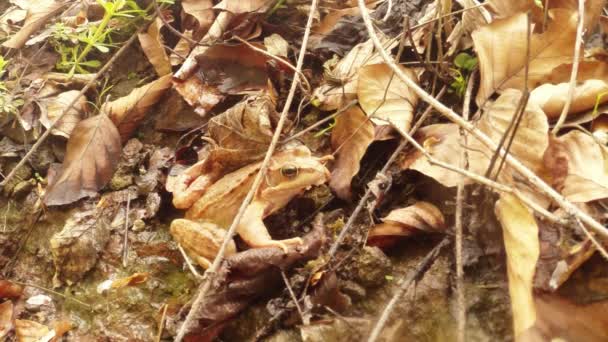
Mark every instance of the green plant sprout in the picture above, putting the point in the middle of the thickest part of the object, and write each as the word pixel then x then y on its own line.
pixel 465 64
pixel 75 45
pixel 598 99
pixel 326 129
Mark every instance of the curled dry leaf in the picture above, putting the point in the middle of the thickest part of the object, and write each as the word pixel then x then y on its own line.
pixel 578 166
pixel 351 136
pixel 91 156
pixel 202 11
pixel 590 91
pixel 152 44
pixel 520 233
pixel 6 318
pixel 340 85
pixel 385 98
pixel 53 107
pixel 417 218
pixel 128 111
pixel 501 47
pixel 38 13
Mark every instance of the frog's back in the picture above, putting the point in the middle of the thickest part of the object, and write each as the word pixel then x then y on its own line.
pixel 221 201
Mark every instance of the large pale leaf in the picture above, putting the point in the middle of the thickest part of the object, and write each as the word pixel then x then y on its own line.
pixel 128 111
pixel 91 156
pixel 53 107
pixel 38 13
pixel 152 45
pixel 501 48
pixel 520 234
pixel 583 162
pixel 591 89
pixel 352 134
pixel 386 98
pixel 201 10
pixel 30 331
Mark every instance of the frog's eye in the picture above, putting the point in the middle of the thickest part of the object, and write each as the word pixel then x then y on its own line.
pixel 289 171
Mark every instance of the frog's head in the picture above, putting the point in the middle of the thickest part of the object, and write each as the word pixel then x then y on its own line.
pixel 290 173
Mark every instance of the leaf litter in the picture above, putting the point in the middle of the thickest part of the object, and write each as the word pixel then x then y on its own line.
pixel 195 99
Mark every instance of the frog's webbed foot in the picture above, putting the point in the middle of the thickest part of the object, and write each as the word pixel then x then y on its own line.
pixel 253 231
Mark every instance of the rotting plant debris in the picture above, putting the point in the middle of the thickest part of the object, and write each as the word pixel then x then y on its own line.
pixel 256 169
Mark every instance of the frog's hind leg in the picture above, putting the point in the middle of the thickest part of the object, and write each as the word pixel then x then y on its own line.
pixel 200 240
pixel 253 231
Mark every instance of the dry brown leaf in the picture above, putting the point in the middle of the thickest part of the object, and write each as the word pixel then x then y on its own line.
pixel 91 156
pixel 417 218
pixel 38 13
pixel 244 6
pixel 562 320
pixel 586 174
pixel 340 85
pixel 201 10
pixel 6 318
pixel 501 48
pixel 128 111
pixel 385 98
pixel 10 290
pixel 30 331
pixel 11 17
pixel 330 20
pixel 53 107
pixel 198 95
pixel 181 49
pixel 152 44
pixel 592 88
pixel 442 141
pixel 351 136
pixel 276 45
pixel 520 234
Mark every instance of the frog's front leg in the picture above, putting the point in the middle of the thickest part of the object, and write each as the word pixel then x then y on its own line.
pixel 252 230
pixel 189 186
pixel 200 240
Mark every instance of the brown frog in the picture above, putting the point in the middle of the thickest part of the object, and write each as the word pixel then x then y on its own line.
pixel 213 203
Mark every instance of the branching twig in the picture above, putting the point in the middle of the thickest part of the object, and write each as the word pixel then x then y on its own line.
pixel 210 273
pixel 68 108
pixel 532 178
pixel 575 63
pixel 404 284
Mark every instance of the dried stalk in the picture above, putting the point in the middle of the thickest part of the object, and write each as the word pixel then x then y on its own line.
pixel 532 178
pixel 575 63
pixel 210 273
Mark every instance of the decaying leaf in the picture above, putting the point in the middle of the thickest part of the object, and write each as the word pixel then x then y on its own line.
pixel 6 318
pixel 132 280
pixel 152 44
pixel 198 95
pixel 276 45
pixel 10 290
pixel 53 107
pixel 385 98
pixel 38 13
pixel 402 222
pixel 91 156
pixel 501 48
pixel 583 163
pixel 520 234
pixel 128 111
pixel 30 331
pixel 351 136
pixel 76 247
pixel 201 10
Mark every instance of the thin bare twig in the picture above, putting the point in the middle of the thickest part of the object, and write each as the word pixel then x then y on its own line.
pixel 88 306
pixel 320 122
pixel 125 246
pixel 68 108
pixel 575 63
pixel 210 273
pixel 404 284
pixel 293 297
pixel 526 173
pixel 161 325
pixel 461 314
